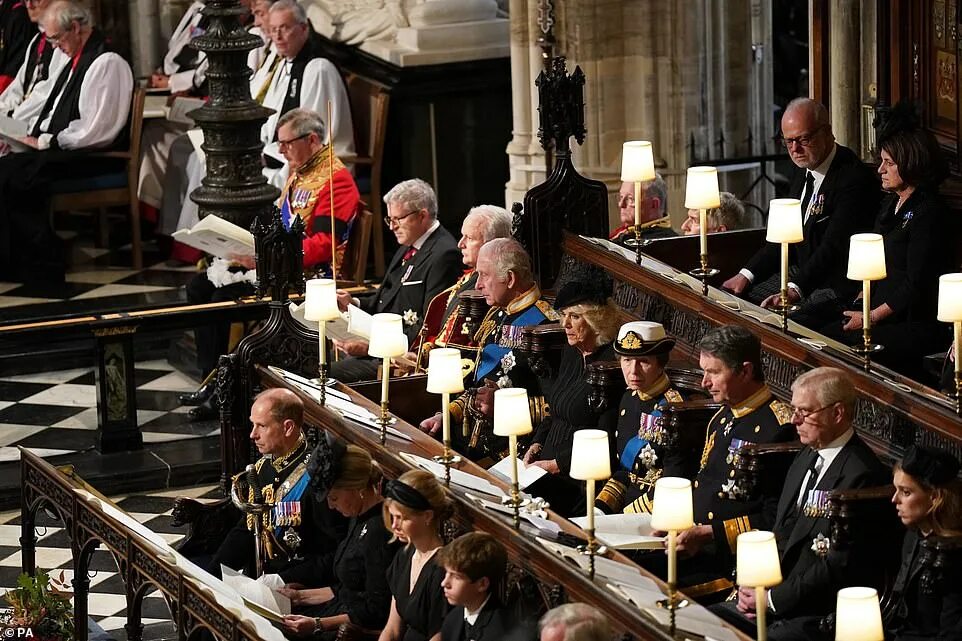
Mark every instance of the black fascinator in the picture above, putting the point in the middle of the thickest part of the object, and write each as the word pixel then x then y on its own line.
pixel 325 464
pixel 931 465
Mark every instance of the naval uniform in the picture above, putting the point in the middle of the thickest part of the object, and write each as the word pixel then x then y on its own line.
pixel 652 230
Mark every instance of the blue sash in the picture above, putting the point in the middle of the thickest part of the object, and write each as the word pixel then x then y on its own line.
pixel 503 339
pixel 637 443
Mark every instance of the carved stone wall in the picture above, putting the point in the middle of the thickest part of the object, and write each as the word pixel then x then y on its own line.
pixel 659 70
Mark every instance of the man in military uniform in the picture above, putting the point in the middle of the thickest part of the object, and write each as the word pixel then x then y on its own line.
pixel 653 212
pixel 730 357
pixel 294 527
pixel 443 325
pixel 507 282
pixel 643 349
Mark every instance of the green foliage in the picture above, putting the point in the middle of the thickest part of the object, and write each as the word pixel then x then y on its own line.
pixel 43 604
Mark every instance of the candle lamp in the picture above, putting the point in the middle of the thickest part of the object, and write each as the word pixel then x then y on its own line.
pixel 320 304
pixel 784 227
pixel 512 419
pixel 445 378
pixel 866 262
pixel 950 311
pixel 857 615
pixel 672 513
pixel 637 167
pixel 387 341
pixel 701 193
pixel 593 463
pixel 757 566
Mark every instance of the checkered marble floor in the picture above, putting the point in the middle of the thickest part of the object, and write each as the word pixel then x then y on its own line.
pixel 107 603
pixel 56 412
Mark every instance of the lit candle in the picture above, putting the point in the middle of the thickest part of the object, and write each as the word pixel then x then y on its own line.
pixel 444 378
pixel 320 304
pixel 672 512
pixel 637 166
pixel 592 464
pixel 950 309
pixel 701 193
pixel 784 227
pixel 866 262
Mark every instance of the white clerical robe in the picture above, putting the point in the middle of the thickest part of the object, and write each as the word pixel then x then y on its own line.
pixel 25 102
pixel 184 79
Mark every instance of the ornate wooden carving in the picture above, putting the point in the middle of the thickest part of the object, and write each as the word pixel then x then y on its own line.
pixel 542 346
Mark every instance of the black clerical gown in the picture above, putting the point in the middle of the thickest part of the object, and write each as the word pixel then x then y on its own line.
pixel 642 456
pixel 16 30
pixel 422 609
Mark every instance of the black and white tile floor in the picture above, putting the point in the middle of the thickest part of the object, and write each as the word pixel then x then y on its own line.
pixel 107 603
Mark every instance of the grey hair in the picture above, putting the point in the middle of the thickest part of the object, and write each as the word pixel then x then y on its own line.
pixel 303 122
pixel 495 221
pixel 300 16
pixel 509 256
pixel 813 109
pixel 658 189
pixel 581 622
pixel 830 385
pixel 414 193
pixel 65 13
pixel 731 213
pixel 734 345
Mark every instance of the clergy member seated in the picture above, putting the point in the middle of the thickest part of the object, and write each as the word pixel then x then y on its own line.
pixel 441 327
pixel 474 569
pixel 589 319
pixel 281 480
pixel 834 458
pixel 928 500
pixel 426 263
pixel 643 349
pixel 653 212
pixel 506 279
pixel 25 96
pixel 729 216
pixel 731 359
pixel 87 109
pixel 307 194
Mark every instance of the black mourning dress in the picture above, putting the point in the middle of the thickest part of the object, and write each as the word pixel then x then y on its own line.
pixel 567 397
pixel 358 576
pixel 925 612
pixel 423 609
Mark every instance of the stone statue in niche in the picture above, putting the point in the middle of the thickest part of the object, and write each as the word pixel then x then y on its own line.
pixel 357 21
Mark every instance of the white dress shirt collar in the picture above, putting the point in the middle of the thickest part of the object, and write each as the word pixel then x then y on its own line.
pixel 420 241
pixel 472 617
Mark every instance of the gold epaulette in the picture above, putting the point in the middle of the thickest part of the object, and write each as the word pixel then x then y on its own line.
pixel 674 396
pixel 783 411
pixel 545 308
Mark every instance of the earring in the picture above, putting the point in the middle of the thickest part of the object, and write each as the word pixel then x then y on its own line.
pixel 360 494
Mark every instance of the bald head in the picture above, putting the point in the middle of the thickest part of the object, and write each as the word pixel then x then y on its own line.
pixel 807 133
pixel 276 418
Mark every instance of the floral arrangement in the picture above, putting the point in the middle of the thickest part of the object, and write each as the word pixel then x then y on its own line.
pixel 41 604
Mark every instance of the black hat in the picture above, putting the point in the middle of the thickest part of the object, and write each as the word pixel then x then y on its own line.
pixel 406 495
pixel 595 291
pixel 643 338
pixel 931 465
pixel 324 465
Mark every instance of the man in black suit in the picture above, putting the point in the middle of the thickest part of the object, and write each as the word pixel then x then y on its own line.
pixel 834 458
pixel 427 262
pixel 840 197
pixel 474 567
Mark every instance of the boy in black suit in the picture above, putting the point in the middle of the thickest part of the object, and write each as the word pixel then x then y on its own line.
pixel 474 566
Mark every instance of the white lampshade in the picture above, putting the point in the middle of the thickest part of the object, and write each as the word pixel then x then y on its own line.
pixel 950 298
pixel 784 221
pixel 637 161
pixel 320 300
pixel 672 508
pixel 444 371
pixel 387 336
pixel 866 257
pixel 512 417
pixel 857 615
pixel 757 560
pixel 590 456
pixel 701 190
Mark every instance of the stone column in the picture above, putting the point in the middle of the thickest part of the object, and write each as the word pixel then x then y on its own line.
pixel 144 36
pixel 844 71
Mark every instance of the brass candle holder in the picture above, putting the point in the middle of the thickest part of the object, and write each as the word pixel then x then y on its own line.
pixel 701 193
pixel 387 341
pixel 512 418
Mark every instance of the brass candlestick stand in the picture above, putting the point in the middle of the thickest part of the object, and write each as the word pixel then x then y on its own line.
pixel 447 457
pixel 785 308
pixel 704 273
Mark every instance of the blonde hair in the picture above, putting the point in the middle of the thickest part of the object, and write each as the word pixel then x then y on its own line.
pixel 358 470
pixel 432 491
pixel 602 319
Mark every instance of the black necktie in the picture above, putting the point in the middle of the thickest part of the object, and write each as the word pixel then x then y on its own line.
pixel 813 469
pixel 809 188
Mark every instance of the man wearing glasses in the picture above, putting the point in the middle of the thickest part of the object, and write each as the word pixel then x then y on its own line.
pixel 427 262
pixel 840 197
pixel 25 96
pixel 834 458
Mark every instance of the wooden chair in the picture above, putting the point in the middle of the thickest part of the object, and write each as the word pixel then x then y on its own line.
pixel 113 189
pixel 358 244
pixel 369 104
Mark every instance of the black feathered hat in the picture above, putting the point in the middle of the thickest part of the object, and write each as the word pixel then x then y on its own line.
pixel 931 465
pixel 324 465
pixel 594 291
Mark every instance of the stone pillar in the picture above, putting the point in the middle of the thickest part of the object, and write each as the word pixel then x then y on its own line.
pixel 659 70
pixel 144 36
pixel 844 71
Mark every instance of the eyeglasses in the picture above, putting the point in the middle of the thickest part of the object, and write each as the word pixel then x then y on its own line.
pixel 285 143
pixel 804 414
pixel 283 30
pixel 54 39
pixel 396 222
pixel 805 140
